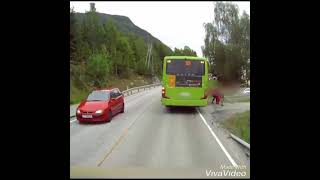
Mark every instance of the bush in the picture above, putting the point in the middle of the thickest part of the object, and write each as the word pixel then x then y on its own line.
pixel 77 94
pixel 98 69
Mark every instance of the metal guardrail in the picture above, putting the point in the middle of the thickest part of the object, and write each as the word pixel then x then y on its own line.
pixel 131 91
pixel 245 144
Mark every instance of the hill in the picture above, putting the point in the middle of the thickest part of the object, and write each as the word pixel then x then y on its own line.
pixel 109 49
pixel 125 25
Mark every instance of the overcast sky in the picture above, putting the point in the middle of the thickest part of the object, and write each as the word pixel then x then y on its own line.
pixel 176 24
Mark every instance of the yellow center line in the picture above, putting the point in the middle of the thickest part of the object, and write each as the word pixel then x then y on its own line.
pixel 113 147
pixel 121 137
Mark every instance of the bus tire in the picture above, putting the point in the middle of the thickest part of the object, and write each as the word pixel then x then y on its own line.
pixel 168 108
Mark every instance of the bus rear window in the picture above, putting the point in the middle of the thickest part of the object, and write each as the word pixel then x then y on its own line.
pixel 185 67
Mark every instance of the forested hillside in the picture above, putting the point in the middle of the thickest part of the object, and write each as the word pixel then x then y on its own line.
pixel 106 48
pixel 111 51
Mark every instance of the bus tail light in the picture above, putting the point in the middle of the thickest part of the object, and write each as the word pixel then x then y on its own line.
pixel 163 92
pixel 205 96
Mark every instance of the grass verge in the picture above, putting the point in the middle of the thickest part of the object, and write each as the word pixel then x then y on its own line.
pixel 77 95
pixel 244 99
pixel 234 99
pixel 239 125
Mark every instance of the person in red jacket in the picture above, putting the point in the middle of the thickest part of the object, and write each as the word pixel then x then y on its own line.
pixel 217 94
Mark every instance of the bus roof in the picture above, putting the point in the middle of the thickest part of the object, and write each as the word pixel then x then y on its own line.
pixel 185 57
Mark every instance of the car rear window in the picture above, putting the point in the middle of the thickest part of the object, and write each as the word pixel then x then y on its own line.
pixel 99 96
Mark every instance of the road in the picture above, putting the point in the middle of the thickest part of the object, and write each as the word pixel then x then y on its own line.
pixel 148 141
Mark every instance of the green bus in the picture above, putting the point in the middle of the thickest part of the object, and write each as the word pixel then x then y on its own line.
pixel 184 81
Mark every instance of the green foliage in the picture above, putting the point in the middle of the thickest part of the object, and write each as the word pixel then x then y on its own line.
pixel 227 43
pixel 186 51
pixel 77 94
pixel 98 69
pixel 239 125
pixel 102 49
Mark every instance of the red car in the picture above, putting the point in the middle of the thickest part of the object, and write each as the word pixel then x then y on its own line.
pixel 101 105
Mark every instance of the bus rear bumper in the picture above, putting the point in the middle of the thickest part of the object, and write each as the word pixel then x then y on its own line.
pixel 175 102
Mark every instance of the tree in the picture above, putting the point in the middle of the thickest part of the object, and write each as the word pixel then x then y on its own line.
pixel 227 42
pixel 98 69
pixel 186 51
pixel 124 56
pixel 111 38
pixel 72 36
pixel 245 44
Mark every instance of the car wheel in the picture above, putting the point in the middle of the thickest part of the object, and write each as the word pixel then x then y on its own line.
pixel 110 116
pixel 122 110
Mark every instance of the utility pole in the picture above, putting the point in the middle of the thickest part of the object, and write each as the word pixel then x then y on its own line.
pixel 151 63
pixel 149 58
pixel 148 61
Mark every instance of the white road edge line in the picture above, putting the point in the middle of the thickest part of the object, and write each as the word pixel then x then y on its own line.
pixel 218 141
pixel 73 121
